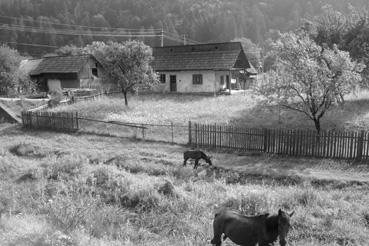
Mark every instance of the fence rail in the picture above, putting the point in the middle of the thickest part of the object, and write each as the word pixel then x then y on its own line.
pixel 61 121
pixel 303 143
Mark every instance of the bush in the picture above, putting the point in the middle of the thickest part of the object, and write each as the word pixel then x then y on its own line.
pixel 65 168
pixel 27 150
pixel 55 98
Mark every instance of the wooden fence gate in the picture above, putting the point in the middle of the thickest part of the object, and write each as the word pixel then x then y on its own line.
pixel 303 143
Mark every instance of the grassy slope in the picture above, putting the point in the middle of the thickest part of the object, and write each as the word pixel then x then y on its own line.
pixel 243 110
pixel 131 211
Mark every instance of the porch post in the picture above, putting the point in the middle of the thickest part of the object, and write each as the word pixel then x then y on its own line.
pixel 215 84
pixel 230 82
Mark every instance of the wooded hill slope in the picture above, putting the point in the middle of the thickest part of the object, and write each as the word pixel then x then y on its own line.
pixel 200 20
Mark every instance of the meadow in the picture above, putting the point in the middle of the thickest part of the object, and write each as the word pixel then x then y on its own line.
pixel 243 109
pixel 93 189
pixel 60 189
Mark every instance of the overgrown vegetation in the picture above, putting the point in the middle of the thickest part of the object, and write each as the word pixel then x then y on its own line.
pixel 90 190
pixel 12 80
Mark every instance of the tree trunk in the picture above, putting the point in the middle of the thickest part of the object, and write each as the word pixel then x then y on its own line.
pixel 317 125
pixel 125 97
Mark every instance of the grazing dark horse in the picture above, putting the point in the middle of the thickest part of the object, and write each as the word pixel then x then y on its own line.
pixel 196 155
pixel 251 230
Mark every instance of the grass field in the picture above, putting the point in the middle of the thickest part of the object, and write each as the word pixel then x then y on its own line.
pixel 241 109
pixel 59 189
pixel 87 189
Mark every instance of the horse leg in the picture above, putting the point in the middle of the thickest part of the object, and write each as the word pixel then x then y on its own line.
pixel 185 161
pixel 196 164
pixel 217 239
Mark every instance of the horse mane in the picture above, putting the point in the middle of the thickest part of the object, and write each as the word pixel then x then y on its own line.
pixel 203 154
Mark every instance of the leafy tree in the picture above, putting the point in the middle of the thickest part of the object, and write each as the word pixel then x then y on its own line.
pixel 350 32
pixel 126 64
pixel 309 78
pixel 9 63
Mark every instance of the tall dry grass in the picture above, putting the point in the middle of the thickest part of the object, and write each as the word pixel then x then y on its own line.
pixel 79 195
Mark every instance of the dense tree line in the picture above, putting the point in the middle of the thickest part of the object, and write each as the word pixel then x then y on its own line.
pixel 201 20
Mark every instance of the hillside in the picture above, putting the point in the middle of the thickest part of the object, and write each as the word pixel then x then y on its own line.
pixel 203 21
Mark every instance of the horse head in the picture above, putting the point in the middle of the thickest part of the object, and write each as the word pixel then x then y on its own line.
pixel 283 226
pixel 208 160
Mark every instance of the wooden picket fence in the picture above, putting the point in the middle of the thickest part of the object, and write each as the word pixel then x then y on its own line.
pixel 300 143
pixel 60 121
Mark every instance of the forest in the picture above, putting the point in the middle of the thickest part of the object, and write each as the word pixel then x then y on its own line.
pixel 36 27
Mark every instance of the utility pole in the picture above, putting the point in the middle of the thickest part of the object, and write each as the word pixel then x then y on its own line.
pixel 162 37
pixel 184 39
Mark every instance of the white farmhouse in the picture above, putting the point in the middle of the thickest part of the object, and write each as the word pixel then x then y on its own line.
pixel 204 68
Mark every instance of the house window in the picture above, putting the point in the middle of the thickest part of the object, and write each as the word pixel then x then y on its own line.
pixel 162 78
pixel 222 80
pixel 94 72
pixel 197 79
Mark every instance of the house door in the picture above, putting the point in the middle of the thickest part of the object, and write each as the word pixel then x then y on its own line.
pixel 228 82
pixel 173 83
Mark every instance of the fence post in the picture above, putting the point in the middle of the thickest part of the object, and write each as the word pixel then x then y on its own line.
pixel 265 133
pixel 196 136
pixel 172 129
pixel 143 132
pixel 360 146
pixel 23 118
pixel 189 133
pixel 77 120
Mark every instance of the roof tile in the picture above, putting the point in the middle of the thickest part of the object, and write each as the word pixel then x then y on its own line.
pixel 222 56
pixel 60 64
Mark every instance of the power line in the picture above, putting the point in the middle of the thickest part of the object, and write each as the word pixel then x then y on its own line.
pixel 28 44
pixel 106 33
pixel 176 36
pixel 73 32
pixel 18 28
pixel 71 25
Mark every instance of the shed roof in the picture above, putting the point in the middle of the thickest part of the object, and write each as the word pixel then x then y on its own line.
pixel 217 56
pixel 61 64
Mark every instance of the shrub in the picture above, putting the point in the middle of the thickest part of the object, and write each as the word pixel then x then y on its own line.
pixel 55 98
pixel 27 150
pixel 71 210
pixel 167 189
pixel 65 168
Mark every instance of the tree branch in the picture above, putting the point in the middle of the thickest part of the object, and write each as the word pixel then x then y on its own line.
pixel 297 109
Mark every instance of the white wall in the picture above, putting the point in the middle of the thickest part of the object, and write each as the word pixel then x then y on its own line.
pixel 54 85
pixel 184 82
pixel 218 74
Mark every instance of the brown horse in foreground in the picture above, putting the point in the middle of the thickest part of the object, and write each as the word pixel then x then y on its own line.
pixel 251 230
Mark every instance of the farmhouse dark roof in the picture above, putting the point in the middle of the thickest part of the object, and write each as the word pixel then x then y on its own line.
pixel 61 64
pixel 217 56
